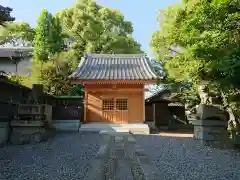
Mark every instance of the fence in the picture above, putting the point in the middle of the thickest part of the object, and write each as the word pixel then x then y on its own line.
pixel 64 107
pixel 8 111
pixel 68 108
pixel 15 93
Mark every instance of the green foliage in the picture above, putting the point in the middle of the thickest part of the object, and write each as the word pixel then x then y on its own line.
pixel 89 28
pixel 209 36
pixel 93 28
pixel 207 33
pixel 20 79
pixel 41 39
pixel 16 79
pixel 56 36
pixel 53 75
pixel 48 39
pixel 16 30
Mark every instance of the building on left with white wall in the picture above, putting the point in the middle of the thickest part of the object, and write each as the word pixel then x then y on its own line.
pixel 16 56
pixel 16 60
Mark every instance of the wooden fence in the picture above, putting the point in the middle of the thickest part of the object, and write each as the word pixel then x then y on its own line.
pixel 68 108
pixel 8 111
pixel 64 107
pixel 15 93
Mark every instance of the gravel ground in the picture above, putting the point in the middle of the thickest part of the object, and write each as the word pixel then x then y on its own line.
pixel 181 158
pixel 67 156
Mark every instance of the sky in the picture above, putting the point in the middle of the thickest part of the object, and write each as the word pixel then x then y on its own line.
pixel 141 13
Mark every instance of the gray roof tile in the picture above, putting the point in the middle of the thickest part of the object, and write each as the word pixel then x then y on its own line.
pixel 114 67
pixel 15 51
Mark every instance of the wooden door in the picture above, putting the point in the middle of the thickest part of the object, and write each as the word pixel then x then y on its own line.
pixel 115 110
pixel 121 108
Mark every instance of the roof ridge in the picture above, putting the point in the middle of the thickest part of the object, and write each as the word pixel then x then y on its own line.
pixel 114 55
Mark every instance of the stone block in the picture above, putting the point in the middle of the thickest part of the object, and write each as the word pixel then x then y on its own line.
pixel 67 125
pixel 118 138
pixel 208 112
pixel 211 123
pixel 32 135
pixel 20 123
pixel 18 138
pixel 4 132
pixel 35 138
pixel 209 133
pixel 96 171
pixel 102 151
pixel 131 139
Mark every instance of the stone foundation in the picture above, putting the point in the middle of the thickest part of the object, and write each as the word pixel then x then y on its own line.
pixel 30 133
pixel 137 128
pixel 210 132
pixel 67 125
pixel 4 132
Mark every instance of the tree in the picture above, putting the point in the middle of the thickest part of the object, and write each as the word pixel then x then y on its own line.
pixel 16 32
pixel 53 75
pixel 48 38
pixel 94 28
pixel 84 27
pixel 208 34
pixel 5 15
pixel 183 91
pixel 56 36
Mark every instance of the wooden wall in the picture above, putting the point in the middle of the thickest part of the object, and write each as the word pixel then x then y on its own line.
pixel 162 113
pixel 94 95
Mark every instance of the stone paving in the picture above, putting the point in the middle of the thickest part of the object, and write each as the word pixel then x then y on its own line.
pixel 90 156
pixel 119 158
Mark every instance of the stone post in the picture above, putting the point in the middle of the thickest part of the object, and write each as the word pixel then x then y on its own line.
pixel 37 93
pixel 210 127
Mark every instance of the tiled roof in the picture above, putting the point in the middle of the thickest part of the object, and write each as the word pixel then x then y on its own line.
pixel 15 51
pixel 159 95
pixel 175 104
pixel 114 67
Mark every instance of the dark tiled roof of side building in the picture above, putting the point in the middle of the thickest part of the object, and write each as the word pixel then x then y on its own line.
pixel 114 67
pixel 15 51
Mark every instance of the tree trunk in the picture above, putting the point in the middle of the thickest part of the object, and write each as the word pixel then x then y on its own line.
pixel 232 118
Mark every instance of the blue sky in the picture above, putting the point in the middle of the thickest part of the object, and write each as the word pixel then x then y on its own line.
pixel 141 13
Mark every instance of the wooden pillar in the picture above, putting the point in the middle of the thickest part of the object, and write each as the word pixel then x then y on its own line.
pixel 144 117
pixel 85 106
pixel 154 113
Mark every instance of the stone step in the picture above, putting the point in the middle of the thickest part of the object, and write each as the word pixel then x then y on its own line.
pixel 97 127
pixel 97 169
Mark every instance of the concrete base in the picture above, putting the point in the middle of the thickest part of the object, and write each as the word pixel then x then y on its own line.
pixel 98 127
pixel 67 125
pixel 30 135
pixel 210 132
pixel 4 132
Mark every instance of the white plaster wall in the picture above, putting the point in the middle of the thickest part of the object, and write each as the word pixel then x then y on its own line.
pixel 23 66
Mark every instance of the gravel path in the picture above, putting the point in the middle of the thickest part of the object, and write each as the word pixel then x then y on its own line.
pixel 65 157
pixel 184 158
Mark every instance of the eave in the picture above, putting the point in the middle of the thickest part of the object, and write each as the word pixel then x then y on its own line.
pixel 85 82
